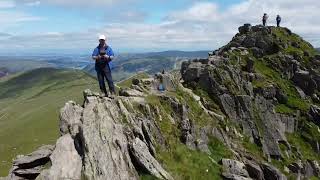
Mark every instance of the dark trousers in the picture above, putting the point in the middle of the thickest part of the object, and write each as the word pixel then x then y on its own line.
pixel 104 72
pixel 278 23
pixel 264 22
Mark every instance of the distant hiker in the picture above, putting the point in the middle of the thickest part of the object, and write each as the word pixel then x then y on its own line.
pixel 161 86
pixel 278 19
pixel 264 19
pixel 103 56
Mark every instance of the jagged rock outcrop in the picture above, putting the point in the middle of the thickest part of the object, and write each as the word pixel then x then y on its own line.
pixel 248 102
pixel 146 161
pixel 315 114
pixel 254 170
pixel 272 173
pixel 257 38
pixel 65 160
pixel 234 170
pixel 95 143
pixel 30 166
pixel 237 100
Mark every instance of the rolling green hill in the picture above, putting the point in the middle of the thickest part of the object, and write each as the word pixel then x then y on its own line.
pixel 29 107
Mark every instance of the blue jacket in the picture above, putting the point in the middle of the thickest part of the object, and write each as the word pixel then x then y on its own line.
pixel 109 52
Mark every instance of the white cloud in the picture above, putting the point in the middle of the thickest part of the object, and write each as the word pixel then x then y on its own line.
pixel 7 4
pixel 15 18
pixel 301 16
pixel 33 3
pixel 203 25
pixel 203 11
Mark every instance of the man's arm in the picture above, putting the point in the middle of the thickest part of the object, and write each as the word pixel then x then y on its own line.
pixel 110 54
pixel 95 54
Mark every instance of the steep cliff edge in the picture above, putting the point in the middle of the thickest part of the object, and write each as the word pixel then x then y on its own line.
pixel 248 111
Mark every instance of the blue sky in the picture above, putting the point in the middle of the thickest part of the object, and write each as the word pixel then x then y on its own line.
pixel 143 25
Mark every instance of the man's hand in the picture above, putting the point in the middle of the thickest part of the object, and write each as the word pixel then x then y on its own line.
pixel 106 56
pixel 95 58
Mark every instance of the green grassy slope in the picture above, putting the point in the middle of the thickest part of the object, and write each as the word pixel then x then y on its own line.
pixel 15 65
pixel 29 108
pixel 176 157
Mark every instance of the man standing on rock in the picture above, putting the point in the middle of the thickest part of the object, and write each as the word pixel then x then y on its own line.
pixel 264 19
pixel 278 19
pixel 103 56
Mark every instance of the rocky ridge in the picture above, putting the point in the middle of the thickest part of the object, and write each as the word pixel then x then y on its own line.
pixel 248 111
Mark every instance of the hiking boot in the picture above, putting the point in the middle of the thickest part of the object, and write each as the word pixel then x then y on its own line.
pixel 103 94
pixel 112 95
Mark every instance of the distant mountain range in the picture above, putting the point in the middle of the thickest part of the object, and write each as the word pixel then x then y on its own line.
pixel 126 64
pixel 318 49
pixel 176 53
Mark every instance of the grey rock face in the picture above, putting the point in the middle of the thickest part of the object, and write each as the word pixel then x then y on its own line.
pixel 314 112
pixel 220 134
pixel 166 80
pixel 185 124
pixel 257 38
pixel 295 167
pixel 99 141
pixel 146 161
pixel 232 167
pixel 30 166
pixel 249 42
pixel 311 168
pixel 271 173
pixel 106 155
pixel 135 81
pixel 34 158
pixel 305 81
pixel 254 170
pixel 131 93
pixel 257 52
pixel 191 71
pixel 245 28
pixel 66 162
pixel 252 113
pixel 70 116
pixel 250 65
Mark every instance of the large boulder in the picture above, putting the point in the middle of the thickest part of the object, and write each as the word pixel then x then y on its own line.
pixel 245 28
pixel 254 170
pixel 146 161
pixel 131 93
pixel 314 113
pixel 70 116
pixel 167 80
pixel 234 170
pixel 191 71
pixel 272 173
pixel 304 80
pixel 30 166
pixel 104 141
pixel 65 160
